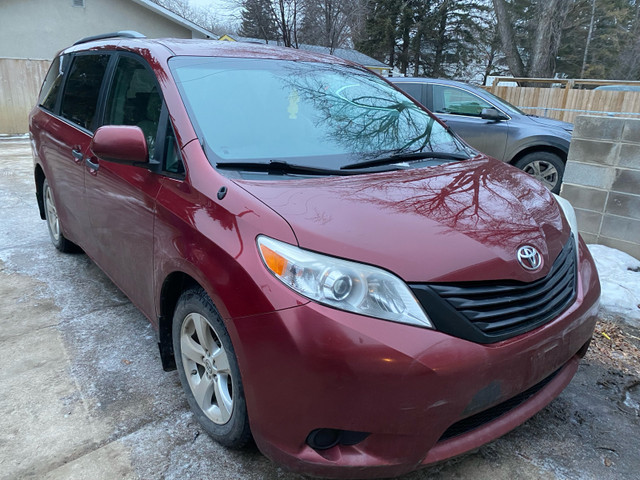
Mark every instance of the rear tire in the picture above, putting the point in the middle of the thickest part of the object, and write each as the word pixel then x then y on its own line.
pixel 546 167
pixel 208 369
pixel 53 222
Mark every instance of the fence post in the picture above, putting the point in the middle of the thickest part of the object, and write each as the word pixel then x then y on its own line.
pixel 567 86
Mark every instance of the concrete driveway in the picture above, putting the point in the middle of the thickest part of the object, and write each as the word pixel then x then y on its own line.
pixel 83 394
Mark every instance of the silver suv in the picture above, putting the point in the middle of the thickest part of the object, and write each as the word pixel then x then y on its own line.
pixel 537 145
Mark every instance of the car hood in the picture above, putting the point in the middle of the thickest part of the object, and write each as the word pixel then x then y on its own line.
pixel 550 122
pixel 461 221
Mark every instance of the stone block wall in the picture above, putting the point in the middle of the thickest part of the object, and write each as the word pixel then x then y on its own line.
pixel 602 181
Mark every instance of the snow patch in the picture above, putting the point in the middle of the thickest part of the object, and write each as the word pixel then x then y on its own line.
pixel 630 402
pixel 620 280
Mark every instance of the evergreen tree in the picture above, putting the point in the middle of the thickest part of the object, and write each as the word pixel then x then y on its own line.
pixel 257 20
pixel 613 50
pixel 594 39
pixel 602 40
pixel 455 29
pixel 330 23
pixel 431 37
pixel 380 32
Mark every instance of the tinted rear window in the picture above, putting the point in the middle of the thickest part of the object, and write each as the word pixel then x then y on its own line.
pixel 413 89
pixel 80 97
pixel 52 83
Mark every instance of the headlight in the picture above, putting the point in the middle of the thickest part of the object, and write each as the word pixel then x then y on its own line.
pixel 349 286
pixel 570 215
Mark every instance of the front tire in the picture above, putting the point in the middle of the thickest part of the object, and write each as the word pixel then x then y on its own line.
pixel 53 222
pixel 546 167
pixel 208 369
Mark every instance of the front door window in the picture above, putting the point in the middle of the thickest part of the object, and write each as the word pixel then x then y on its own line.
pixel 456 101
pixel 134 99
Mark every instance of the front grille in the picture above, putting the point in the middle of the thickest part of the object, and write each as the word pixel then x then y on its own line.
pixel 497 307
pixel 487 312
pixel 482 418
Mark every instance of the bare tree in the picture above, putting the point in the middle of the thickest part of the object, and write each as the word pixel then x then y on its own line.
pixel 547 35
pixel 589 36
pixel 508 39
pixel 285 13
pixel 551 18
pixel 331 23
pixel 205 17
pixel 181 7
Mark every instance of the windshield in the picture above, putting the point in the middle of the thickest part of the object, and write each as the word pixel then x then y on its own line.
pixel 316 114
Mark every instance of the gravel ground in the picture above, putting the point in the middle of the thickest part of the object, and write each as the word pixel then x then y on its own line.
pixel 84 394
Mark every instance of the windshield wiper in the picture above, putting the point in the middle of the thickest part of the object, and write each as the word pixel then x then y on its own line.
pixel 279 167
pixel 405 157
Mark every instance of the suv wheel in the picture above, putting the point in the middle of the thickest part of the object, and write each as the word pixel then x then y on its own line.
pixel 547 167
pixel 208 369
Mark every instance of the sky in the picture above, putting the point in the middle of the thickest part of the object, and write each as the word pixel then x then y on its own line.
pixel 226 10
pixel 220 5
pixel 208 3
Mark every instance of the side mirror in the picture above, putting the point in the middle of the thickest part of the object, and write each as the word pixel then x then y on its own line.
pixel 493 114
pixel 120 144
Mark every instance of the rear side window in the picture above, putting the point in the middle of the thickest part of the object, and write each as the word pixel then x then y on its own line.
pixel 80 97
pixel 413 89
pixel 52 83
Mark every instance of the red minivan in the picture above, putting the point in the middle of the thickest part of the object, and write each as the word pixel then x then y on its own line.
pixel 332 271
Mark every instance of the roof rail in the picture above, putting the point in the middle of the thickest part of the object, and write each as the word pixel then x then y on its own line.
pixel 121 33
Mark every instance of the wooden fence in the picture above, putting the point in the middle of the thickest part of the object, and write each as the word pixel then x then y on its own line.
pixel 20 82
pixel 567 103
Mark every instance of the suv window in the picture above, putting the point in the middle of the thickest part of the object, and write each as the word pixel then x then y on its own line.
pixel 134 99
pixel 413 89
pixel 456 101
pixel 52 82
pixel 80 98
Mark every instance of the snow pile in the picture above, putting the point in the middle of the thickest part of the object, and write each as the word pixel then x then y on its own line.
pixel 620 280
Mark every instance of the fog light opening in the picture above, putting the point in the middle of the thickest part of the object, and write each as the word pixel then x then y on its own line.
pixel 326 438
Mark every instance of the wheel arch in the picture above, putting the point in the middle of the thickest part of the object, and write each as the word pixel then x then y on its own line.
pixel 539 148
pixel 39 177
pixel 172 288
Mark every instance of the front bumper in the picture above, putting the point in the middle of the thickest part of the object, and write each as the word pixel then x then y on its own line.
pixel 313 367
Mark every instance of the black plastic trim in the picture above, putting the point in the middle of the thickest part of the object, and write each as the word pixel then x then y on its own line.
pixel 479 419
pixel 102 36
pixel 326 438
pixel 489 312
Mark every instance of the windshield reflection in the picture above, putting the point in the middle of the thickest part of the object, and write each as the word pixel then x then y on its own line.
pixel 365 120
pixel 316 114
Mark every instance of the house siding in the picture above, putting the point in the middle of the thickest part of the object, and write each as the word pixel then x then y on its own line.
pixel 38 29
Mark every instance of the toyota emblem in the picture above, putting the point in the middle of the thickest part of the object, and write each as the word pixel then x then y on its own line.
pixel 529 257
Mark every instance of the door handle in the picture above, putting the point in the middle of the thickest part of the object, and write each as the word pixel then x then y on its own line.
pixel 90 164
pixel 77 154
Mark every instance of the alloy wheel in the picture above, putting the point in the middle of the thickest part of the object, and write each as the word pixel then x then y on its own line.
pixel 52 215
pixel 545 172
pixel 207 369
